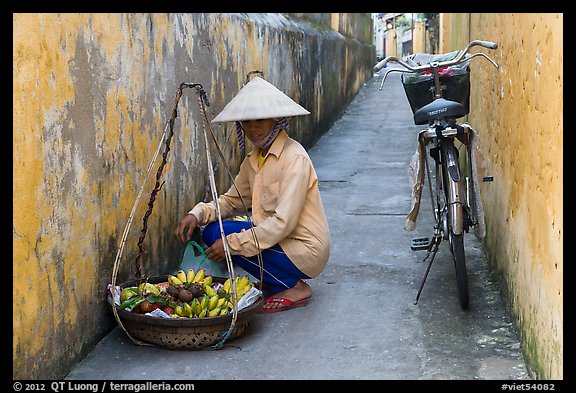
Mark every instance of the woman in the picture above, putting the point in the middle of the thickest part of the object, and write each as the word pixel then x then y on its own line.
pixel 278 182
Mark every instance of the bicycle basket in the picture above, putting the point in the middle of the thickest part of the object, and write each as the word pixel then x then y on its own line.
pixel 456 80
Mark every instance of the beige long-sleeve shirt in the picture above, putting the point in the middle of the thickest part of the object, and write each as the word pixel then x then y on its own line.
pixel 286 206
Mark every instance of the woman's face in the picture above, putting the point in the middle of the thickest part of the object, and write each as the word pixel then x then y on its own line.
pixel 257 130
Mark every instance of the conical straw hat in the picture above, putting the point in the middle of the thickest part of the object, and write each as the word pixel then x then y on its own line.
pixel 259 99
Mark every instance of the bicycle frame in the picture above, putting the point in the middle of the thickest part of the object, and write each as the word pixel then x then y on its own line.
pixel 449 180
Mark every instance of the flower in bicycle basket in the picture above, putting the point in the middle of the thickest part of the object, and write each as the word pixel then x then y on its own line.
pixel 444 71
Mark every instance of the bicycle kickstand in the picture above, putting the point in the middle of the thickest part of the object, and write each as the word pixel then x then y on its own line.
pixel 431 252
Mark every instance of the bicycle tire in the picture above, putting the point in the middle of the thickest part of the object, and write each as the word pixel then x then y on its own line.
pixel 457 248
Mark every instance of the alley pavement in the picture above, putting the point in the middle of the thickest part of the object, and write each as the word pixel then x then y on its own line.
pixel 362 322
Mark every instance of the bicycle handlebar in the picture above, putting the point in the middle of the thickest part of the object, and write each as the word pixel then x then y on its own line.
pixel 457 60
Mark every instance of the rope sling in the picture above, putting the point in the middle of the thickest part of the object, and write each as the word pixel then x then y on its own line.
pixel 166 138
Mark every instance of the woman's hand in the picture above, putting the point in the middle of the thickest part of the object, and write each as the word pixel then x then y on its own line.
pixel 216 251
pixel 185 229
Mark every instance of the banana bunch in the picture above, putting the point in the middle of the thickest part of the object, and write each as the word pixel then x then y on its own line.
pixel 207 306
pixel 211 300
pixel 185 279
pixel 242 286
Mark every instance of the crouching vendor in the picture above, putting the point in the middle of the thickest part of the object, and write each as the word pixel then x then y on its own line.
pixel 277 180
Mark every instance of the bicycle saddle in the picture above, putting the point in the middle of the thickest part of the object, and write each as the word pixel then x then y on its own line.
pixel 437 109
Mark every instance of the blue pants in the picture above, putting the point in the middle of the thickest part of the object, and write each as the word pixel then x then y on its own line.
pixel 279 273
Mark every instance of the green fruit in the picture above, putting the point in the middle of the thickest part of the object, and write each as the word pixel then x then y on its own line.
pixel 196 309
pixel 128 293
pixel 146 288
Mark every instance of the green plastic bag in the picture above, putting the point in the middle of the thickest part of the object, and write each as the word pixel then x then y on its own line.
pixel 195 258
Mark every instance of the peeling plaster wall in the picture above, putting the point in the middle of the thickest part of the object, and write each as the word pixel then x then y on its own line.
pixel 92 96
pixel 518 113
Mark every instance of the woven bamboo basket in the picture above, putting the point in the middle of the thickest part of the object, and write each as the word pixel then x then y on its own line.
pixel 188 333
pixel 176 332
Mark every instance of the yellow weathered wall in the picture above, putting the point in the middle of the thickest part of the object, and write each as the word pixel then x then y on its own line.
pixel 92 94
pixel 391 43
pixel 518 113
pixel 419 37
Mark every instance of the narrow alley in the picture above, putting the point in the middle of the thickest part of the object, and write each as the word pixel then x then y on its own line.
pixel 361 323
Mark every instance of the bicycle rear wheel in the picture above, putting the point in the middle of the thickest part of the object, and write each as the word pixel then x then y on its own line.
pixel 457 248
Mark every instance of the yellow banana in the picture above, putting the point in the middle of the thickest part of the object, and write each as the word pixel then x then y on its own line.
pixel 220 302
pixel 190 276
pixel 174 280
pixel 214 313
pixel 199 275
pixel 181 276
pixel 196 306
pixel 209 290
pixel 224 311
pixel 226 285
pixel 212 302
pixel 207 280
pixel 241 283
pixel 204 302
pixel 203 313
pixel 179 311
pixel 243 291
pixel 186 310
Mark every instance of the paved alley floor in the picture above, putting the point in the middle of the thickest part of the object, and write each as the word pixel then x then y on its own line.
pixel 361 323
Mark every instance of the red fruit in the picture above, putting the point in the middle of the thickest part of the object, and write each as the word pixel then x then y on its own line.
pixel 145 307
pixel 154 306
pixel 168 310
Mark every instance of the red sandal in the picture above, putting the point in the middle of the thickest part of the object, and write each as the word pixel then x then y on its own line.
pixel 286 304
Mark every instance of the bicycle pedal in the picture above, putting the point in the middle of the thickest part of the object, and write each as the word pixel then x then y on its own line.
pixel 420 243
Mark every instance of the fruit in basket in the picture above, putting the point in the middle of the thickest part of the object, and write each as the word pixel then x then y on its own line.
pixel 190 276
pixel 199 275
pixel 146 288
pixel 214 313
pixel 243 290
pixel 226 285
pixel 174 280
pixel 204 302
pixel 196 290
pixel 181 299
pixel 241 283
pixel 186 310
pixel 213 302
pixel 208 290
pixel 144 307
pixel 181 276
pixel 128 293
pixel 172 291
pixel 185 295
pixel 196 309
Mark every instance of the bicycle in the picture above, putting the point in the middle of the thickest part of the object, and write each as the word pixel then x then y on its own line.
pixel 439 105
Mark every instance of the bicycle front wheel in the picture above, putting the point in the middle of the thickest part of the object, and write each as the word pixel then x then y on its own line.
pixel 457 248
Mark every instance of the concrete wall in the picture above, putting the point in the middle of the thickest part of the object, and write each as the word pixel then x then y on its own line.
pixel 518 113
pixel 92 96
